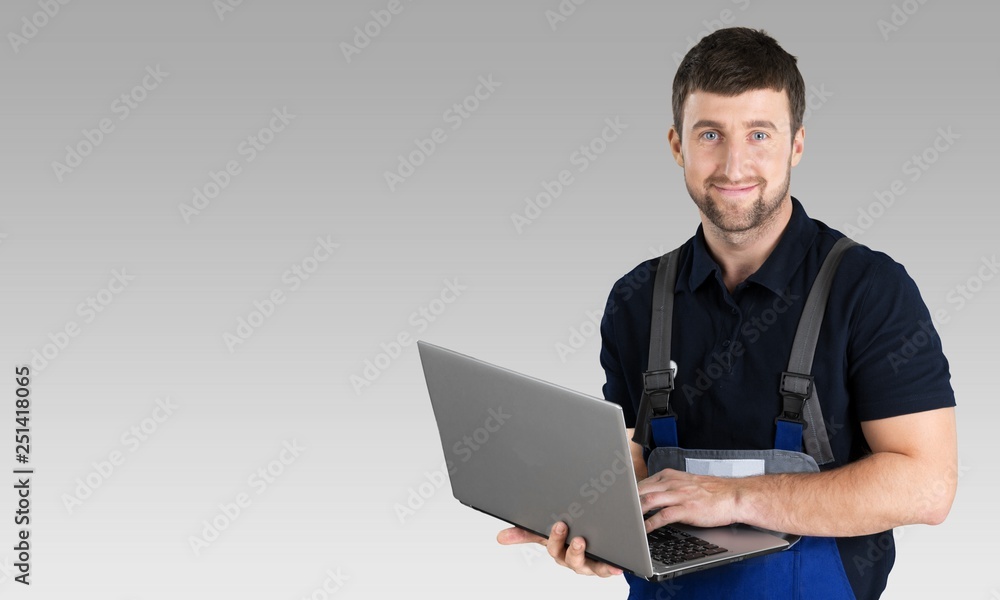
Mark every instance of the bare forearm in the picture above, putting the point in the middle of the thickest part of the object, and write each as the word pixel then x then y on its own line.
pixel 882 491
pixel 638 462
pixel 910 477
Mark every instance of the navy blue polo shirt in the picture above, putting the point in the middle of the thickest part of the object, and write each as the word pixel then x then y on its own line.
pixel 878 354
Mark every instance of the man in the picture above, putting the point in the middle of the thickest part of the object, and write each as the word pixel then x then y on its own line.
pixel 738 102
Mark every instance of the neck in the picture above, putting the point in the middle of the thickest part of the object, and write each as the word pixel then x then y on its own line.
pixel 740 254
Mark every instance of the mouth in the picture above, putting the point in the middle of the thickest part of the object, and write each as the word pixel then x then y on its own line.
pixel 735 191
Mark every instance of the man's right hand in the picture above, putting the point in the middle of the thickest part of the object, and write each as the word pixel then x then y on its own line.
pixel 571 556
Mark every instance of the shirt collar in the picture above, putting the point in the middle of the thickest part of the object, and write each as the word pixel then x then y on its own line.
pixel 777 270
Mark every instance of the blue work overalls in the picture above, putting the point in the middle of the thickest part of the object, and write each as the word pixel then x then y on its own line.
pixel 812 567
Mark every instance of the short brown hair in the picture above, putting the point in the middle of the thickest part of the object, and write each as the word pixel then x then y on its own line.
pixel 735 60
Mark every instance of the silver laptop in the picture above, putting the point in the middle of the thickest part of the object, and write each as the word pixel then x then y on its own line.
pixel 532 453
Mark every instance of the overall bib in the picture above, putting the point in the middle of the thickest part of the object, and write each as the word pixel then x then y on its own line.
pixel 812 567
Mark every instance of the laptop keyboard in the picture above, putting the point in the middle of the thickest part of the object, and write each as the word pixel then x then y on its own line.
pixel 671 546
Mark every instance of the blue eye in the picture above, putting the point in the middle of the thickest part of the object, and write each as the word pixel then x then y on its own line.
pixel 710 136
pixel 759 136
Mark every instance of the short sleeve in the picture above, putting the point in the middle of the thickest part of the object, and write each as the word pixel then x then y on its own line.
pixel 615 387
pixel 896 364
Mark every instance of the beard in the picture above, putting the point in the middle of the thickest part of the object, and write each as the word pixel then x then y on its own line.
pixel 734 217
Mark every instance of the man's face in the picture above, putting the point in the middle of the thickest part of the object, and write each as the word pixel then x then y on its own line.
pixel 737 153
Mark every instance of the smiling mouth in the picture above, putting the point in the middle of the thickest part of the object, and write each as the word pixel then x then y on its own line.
pixel 735 191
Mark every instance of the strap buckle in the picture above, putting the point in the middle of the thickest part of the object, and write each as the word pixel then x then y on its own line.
pixel 796 388
pixel 657 385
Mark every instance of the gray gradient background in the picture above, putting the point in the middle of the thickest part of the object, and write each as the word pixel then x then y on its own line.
pixel 333 508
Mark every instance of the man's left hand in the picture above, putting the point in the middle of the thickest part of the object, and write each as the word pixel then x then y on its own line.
pixel 693 499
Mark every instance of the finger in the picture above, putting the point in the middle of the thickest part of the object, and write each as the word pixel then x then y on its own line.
pixel 557 542
pixel 606 570
pixel 663 474
pixel 516 535
pixel 577 560
pixel 665 516
pixel 654 500
pixel 660 480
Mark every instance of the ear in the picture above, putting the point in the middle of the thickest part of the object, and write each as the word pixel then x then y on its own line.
pixel 674 139
pixel 798 145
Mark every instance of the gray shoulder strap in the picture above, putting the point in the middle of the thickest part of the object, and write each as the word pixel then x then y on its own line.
pixel 815 438
pixel 661 322
pixel 663 312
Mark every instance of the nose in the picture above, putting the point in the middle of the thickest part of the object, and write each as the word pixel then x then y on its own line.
pixel 735 156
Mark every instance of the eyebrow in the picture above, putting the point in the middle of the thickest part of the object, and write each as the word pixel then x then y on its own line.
pixel 756 124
